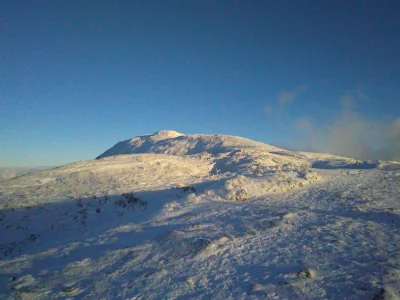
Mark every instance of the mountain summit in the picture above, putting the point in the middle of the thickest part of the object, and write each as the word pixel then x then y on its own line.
pixel 175 143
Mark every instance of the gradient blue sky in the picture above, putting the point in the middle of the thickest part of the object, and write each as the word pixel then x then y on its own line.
pixel 79 76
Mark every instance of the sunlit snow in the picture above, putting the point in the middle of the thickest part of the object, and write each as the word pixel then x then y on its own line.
pixel 174 216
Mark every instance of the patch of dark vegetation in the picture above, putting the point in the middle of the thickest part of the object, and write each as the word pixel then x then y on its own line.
pixel 32 237
pixel 199 244
pixel 188 188
pixel 380 295
pixel 130 201
pixel 11 249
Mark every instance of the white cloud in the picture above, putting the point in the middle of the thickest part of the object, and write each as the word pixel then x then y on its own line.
pixel 282 100
pixel 352 134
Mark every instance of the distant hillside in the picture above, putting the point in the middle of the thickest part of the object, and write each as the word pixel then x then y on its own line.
pixel 7 173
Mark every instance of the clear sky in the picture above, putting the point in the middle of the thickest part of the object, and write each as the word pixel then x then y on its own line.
pixel 78 76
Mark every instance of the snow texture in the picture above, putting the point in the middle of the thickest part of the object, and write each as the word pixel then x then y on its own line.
pixel 174 216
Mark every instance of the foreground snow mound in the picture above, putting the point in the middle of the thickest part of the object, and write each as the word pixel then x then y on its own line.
pixel 241 187
pixel 96 178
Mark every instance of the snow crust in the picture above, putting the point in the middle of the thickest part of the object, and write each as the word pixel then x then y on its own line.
pixel 174 216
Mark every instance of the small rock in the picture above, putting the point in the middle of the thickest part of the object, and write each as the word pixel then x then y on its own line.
pixel 69 289
pixel 386 293
pixel 257 287
pixel 380 295
pixel 304 274
pixel 241 195
pixel 190 281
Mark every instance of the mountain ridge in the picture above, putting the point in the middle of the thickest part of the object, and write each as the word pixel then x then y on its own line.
pixel 175 143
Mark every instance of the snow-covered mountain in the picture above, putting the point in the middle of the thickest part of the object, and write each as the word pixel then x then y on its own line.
pixel 175 143
pixel 231 158
pixel 168 216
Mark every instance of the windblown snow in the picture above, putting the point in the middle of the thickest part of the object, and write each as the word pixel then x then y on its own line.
pixel 175 216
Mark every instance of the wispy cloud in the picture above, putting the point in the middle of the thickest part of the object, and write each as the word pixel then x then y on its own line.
pixel 351 134
pixel 286 97
pixel 268 110
pixel 283 99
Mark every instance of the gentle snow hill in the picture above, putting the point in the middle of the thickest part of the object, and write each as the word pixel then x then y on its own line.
pixel 222 167
pixel 246 168
pixel 163 216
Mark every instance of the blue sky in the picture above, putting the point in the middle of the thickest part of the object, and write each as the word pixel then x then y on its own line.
pixel 79 76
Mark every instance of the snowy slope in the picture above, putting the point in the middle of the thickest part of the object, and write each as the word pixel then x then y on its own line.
pixel 266 168
pixel 7 173
pixel 158 217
